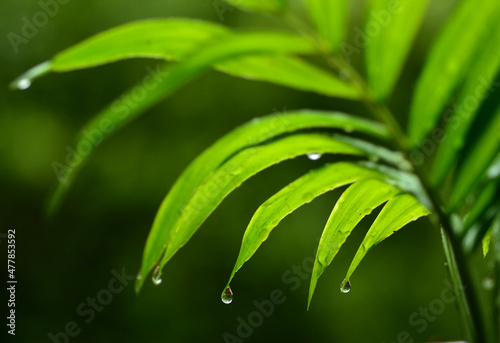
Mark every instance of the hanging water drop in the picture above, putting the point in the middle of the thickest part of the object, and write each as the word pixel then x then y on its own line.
pixel 157 275
pixel 24 81
pixel 227 295
pixel 345 287
pixel 23 84
pixel 314 156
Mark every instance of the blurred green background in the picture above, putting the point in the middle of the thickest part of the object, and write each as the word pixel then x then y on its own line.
pixel 106 218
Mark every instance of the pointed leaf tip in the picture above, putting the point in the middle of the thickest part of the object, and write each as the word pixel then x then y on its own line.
pixel 290 198
pixel 397 212
pixel 355 203
pixel 25 80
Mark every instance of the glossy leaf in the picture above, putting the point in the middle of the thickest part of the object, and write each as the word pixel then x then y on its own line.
pixel 448 63
pixel 330 19
pixel 486 242
pixel 168 39
pixel 291 72
pixel 176 39
pixel 169 80
pixel 478 85
pixel 248 135
pixel 492 232
pixel 485 198
pixel 398 212
pixel 387 51
pixel 480 155
pixel 404 180
pixel 358 201
pixel 377 152
pixel 167 235
pixel 300 192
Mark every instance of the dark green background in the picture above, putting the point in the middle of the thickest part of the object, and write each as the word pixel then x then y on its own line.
pixel 104 223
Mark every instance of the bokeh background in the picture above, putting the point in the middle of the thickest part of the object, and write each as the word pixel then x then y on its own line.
pixel 106 218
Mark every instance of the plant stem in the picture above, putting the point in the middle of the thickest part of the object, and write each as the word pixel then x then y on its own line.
pixel 471 309
pixel 452 268
pixel 455 255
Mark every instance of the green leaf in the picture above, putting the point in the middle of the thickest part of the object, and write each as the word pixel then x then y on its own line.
pixel 168 39
pixel 330 19
pixel 448 63
pixel 486 242
pixel 291 72
pixel 478 85
pixel 485 198
pixel 248 135
pixel 474 234
pixel 398 212
pixel 493 231
pixel 271 6
pixel 376 152
pixel 406 181
pixel 481 153
pixel 300 192
pixel 168 80
pixel 388 50
pixel 177 39
pixel 167 236
pixel 358 201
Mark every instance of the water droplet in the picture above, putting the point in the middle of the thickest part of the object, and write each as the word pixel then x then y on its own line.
pixel 345 287
pixel 314 156
pixel 157 275
pixel 23 84
pixel 139 276
pixel 227 295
